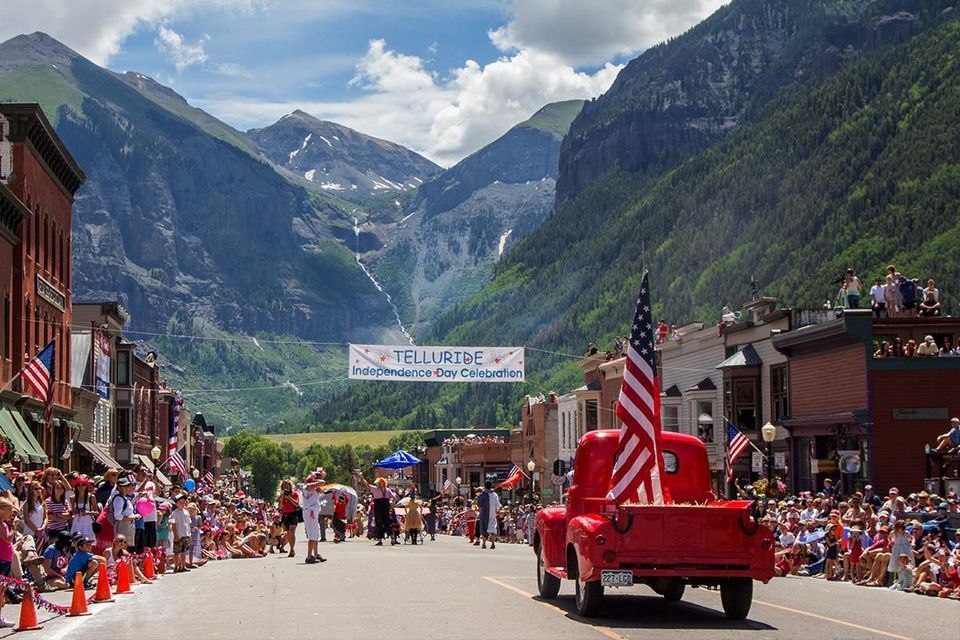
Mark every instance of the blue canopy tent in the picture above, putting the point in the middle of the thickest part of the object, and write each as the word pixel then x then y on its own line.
pixel 398 460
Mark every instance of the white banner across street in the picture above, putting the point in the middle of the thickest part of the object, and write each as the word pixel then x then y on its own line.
pixel 436 364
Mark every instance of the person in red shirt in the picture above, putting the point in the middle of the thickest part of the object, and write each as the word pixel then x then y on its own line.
pixel 289 504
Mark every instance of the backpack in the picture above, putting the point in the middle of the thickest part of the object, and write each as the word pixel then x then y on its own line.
pixel 107 521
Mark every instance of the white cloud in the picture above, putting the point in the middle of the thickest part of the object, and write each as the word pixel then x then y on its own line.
pixel 442 118
pixel 98 28
pixel 182 54
pixel 584 33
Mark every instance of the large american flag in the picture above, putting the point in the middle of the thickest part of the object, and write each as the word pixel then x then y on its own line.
pixel 737 443
pixel 175 460
pixel 637 470
pixel 39 374
pixel 513 477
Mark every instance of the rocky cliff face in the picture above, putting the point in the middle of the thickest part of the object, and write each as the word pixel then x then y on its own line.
pixel 173 218
pixel 461 221
pixel 340 160
pixel 683 95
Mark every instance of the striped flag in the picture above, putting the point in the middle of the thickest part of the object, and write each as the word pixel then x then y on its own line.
pixel 447 485
pixel 39 374
pixel 208 477
pixel 637 470
pixel 737 443
pixel 175 460
pixel 513 477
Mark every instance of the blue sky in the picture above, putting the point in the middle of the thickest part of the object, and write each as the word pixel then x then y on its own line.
pixel 443 78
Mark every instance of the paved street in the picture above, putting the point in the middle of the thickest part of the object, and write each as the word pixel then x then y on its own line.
pixel 447 589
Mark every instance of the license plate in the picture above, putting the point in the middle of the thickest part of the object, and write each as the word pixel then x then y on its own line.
pixel 616 578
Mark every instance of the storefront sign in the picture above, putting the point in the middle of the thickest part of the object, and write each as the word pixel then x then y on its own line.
pixel 756 462
pixel 920 413
pixel 102 378
pixel 850 462
pixel 51 294
pixel 436 364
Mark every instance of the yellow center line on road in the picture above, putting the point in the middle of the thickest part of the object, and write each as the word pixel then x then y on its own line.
pixel 610 633
pixel 833 620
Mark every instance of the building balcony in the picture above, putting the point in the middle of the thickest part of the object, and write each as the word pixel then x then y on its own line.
pixel 485 453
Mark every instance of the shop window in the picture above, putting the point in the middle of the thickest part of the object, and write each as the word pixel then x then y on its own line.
pixel 123 425
pixel 779 396
pixel 703 410
pixel 745 405
pixel 123 368
pixel 670 417
pixel 591 410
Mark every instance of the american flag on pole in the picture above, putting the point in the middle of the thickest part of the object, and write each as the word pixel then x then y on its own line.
pixel 175 460
pixel 636 472
pixel 39 374
pixel 208 477
pixel 736 444
pixel 513 477
pixel 447 485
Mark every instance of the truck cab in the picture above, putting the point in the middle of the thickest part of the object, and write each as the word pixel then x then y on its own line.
pixel 692 540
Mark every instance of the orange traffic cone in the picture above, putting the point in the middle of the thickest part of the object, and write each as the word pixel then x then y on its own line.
pixel 148 567
pixel 123 578
pixel 28 612
pixel 103 586
pixel 78 606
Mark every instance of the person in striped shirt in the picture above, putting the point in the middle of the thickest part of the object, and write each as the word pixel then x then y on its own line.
pixel 59 513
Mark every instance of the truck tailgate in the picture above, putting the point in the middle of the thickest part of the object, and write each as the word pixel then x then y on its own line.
pixel 717 533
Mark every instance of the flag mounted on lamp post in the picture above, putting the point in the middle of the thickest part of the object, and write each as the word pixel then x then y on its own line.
pixel 39 374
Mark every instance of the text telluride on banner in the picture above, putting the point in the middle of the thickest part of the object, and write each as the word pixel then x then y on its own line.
pixel 436 364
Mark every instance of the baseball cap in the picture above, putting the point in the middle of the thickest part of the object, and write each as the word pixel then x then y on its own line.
pixel 894 490
pixel 124 482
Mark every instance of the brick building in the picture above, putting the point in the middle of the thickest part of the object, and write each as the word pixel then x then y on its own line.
pixel 43 176
pixel 857 419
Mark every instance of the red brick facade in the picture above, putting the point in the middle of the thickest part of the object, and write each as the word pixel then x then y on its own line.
pixel 825 383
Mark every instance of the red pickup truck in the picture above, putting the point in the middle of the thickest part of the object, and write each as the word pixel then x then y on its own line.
pixel 695 540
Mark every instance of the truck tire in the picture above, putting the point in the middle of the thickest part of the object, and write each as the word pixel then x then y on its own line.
pixel 547 584
pixel 589 597
pixel 736 594
pixel 675 592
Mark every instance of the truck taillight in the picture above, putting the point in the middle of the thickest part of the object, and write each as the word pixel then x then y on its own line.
pixel 600 540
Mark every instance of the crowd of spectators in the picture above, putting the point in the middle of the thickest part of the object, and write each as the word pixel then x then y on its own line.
pixel 902 543
pixel 893 295
pixel 54 525
pixel 456 441
pixel 928 348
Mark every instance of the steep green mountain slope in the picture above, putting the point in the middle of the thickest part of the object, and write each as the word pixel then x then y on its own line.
pixel 861 169
pixel 687 93
pixel 459 223
pixel 173 218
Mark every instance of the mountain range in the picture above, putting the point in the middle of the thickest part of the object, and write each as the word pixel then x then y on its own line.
pixel 776 141
pixel 461 222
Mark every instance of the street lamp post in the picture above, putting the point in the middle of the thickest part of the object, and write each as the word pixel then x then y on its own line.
pixel 457 482
pixel 533 485
pixel 769 434
pixel 155 453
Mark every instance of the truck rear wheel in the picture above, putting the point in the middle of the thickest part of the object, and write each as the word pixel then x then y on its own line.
pixel 589 597
pixel 736 594
pixel 547 584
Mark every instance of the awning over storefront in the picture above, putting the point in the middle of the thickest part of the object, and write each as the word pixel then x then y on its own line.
pixel 746 357
pixel 100 455
pixel 26 447
pixel 148 463
pixel 21 451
